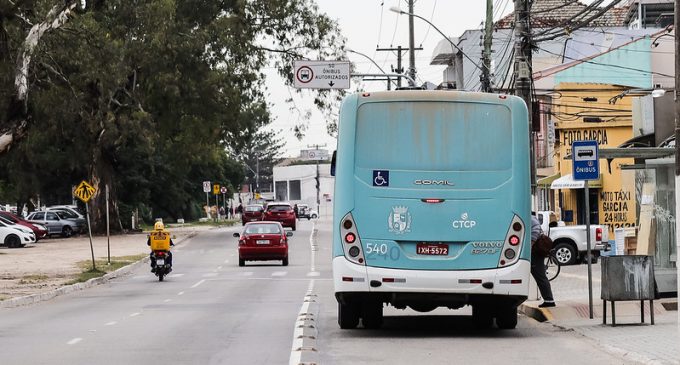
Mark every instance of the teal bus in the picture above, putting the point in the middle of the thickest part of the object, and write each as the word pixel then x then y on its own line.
pixel 432 205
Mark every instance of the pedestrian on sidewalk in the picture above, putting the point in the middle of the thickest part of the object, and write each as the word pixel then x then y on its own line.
pixel 538 266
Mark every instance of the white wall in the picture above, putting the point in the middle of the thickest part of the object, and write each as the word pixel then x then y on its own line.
pixel 306 175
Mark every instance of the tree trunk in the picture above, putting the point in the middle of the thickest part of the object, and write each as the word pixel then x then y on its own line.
pixel 18 119
pixel 102 175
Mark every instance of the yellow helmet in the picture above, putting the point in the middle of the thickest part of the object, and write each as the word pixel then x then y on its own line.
pixel 158 226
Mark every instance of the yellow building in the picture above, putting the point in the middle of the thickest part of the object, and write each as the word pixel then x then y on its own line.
pixel 584 111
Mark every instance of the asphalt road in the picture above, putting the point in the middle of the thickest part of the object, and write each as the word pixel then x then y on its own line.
pixel 210 311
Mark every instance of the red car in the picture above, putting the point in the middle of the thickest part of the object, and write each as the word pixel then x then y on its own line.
pixel 252 213
pixel 263 241
pixel 281 212
pixel 39 230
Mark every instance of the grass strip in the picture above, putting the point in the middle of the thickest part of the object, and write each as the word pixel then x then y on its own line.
pixel 102 267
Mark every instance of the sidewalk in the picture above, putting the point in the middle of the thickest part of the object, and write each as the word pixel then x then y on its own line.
pixel 46 266
pixel 630 339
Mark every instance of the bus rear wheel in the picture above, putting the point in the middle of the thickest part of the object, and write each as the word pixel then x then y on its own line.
pixel 348 316
pixel 506 318
pixel 372 315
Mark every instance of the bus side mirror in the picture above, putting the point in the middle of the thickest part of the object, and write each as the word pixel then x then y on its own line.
pixel 333 163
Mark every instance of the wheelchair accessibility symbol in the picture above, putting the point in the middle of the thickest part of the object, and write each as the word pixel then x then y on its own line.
pixel 381 178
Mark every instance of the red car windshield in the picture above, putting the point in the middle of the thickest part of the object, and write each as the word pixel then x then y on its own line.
pixel 9 217
pixel 279 208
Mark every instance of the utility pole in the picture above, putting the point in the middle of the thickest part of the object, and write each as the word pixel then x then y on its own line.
pixel 522 71
pixel 677 144
pixel 411 45
pixel 486 55
pixel 399 50
pixel 318 178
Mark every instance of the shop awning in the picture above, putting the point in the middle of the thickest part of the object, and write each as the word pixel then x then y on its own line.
pixel 546 181
pixel 568 182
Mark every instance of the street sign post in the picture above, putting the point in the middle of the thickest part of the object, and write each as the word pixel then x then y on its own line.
pixel 586 166
pixel 321 74
pixel 206 190
pixel 85 192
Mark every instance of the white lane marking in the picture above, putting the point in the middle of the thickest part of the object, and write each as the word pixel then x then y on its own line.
pixel 226 261
pixel 312 248
pixel 219 268
pixel 135 314
pixel 232 255
pixel 74 341
pixel 175 275
pixel 167 300
pixel 139 277
pixel 247 273
pixel 180 293
pixel 209 275
pixel 197 284
pixel 111 323
pixel 298 331
pixel 280 273
pixel 313 273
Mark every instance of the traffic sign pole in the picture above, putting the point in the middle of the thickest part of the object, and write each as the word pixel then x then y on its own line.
pixel 89 231
pixel 586 166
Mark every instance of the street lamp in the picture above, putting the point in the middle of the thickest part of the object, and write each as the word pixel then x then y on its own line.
pixel 389 80
pixel 400 12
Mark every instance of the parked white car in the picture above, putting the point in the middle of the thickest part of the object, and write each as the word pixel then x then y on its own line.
pixel 570 241
pixel 14 236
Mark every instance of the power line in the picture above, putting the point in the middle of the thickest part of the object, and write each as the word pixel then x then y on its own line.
pixel 431 18
pixel 605 64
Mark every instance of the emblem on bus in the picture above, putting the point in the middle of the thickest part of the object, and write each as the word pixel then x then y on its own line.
pixel 464 222
pixel 399 220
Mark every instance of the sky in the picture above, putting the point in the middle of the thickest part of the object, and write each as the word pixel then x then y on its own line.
pixel 368 24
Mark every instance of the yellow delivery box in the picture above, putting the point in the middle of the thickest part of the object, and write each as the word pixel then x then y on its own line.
pixel 160 241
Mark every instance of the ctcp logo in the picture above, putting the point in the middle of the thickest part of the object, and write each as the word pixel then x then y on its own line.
pixel 464 222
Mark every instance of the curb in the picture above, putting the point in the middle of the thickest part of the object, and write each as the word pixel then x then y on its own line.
pixel 536 313
pixel 41 297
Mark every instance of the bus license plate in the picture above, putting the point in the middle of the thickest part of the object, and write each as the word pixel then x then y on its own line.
pixel 432 249
pixel 262 242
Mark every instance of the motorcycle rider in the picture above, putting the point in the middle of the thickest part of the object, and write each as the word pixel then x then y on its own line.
pixel 159 240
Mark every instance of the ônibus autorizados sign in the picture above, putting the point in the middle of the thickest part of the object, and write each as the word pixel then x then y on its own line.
pixel 321 74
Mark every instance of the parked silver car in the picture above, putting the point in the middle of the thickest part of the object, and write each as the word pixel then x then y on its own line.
pixel 56 223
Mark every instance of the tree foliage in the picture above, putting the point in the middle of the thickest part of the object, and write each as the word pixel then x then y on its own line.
pixel 150 97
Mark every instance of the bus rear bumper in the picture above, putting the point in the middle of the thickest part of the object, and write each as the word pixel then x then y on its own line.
pixel 457 287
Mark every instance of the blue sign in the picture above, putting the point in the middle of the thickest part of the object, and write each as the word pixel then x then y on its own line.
pixel 586 163
pixel 381 178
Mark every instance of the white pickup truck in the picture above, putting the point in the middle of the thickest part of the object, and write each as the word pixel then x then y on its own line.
pixel 570 241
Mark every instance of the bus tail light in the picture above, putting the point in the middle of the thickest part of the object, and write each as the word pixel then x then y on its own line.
pixel 351 240
pixel 598 234
pixel 512 246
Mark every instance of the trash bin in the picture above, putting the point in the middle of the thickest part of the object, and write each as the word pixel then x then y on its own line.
pixel 628 277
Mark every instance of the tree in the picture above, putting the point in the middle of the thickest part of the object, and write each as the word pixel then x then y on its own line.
pixel 144 99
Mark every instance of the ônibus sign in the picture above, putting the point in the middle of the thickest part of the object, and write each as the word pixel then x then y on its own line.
pixel 321 74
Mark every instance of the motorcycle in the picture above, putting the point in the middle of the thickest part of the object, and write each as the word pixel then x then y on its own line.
pixel 163 266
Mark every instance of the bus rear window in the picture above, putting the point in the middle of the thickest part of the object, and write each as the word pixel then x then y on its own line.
pixel 434 136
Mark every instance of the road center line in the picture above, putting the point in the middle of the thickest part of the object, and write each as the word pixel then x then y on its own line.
pixel 135 314
pixel 111 323
pixel 167 300
pixel 197 284
pixel 74 341
pixel 305 321
pixel 180 293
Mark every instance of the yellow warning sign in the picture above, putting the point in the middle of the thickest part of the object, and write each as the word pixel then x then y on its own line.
pixel 84 191
pixel 216 189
